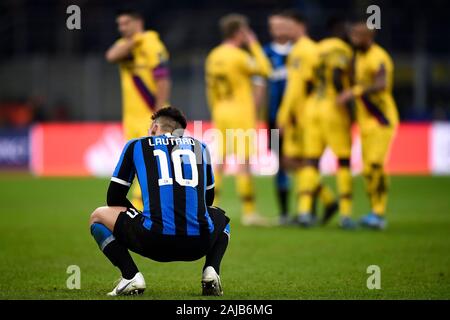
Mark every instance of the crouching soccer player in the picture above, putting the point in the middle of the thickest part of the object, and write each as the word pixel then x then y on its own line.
pixel 178 222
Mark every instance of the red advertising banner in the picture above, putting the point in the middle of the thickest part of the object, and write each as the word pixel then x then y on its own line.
pixel 92 149
pixel 410 150
pixel 75 149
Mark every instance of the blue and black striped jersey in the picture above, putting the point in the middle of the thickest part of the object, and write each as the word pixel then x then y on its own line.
pixel 277 55
pixel 173 173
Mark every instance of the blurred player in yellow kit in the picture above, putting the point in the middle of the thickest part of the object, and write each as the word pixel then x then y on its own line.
pixel 268 94
pixel 229 72
pixel 290 118
pixel 328 123
pixel 143 64
pixel 376 114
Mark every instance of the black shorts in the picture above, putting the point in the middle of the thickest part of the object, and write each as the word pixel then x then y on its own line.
pixel 165 248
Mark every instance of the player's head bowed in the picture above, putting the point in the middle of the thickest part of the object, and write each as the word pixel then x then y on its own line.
pixel 168 120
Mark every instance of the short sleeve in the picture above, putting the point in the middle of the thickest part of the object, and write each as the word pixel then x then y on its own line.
pixel 125 170
pixel 158 57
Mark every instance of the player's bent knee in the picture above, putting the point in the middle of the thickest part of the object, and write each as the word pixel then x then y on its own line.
pixel 96 215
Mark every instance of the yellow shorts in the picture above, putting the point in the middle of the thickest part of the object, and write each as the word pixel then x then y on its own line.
pixel 327 124
pixel 293 141
pixel 238 135
pixel 376 142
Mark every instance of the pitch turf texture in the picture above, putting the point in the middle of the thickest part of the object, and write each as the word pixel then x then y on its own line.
pixel 44 229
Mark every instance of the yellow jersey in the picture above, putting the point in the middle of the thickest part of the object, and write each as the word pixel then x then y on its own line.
pixel 147 62
pixel 376 108
pixel 229 72
pixel 300 65
pixel 334 53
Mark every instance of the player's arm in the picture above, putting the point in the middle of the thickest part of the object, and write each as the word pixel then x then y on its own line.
pixel 260 64
pixel 163 87
pixel 338 75
pixel 159 62
pixel 259 91
pixel 117 196
pixel 341 63
pixel 120 50
pixel 379 82
pixel 291 94
pixel 210 96
pixel 358 90
pixel 122 178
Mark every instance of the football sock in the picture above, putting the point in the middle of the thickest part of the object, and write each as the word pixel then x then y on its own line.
pixel 344 186
pixel 215 255
pixel 307 181
pixel 380 186
pixel 114 251
pixel 136 198
pixel 246 192
pixel 282 183
pixel 377 188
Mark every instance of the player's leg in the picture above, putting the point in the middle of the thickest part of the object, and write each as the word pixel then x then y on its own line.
pixel 221 150
pixel 308 176
pixel 282 183
pixel 307 179
pixel 136 128
pixel 218 180
pixel 243 148
pixel 240 141
pixel 366 171
pixel 282 186
pixel 344 183
pixel 377 145
pixel 246 189
pixel 102 223
pixel 211 284
pixel 215 255
pixel 281 178
pixel 220 167
pixel 338 136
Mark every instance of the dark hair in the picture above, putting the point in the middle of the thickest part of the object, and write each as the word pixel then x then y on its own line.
pixel 278 12
pixel 358 18
pixel 294 14
pixel 231 23
pixel 173 114
pixel 130 12
pixel 337 25
pixel 335 21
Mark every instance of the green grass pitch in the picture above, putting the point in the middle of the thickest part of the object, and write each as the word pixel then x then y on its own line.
pixel 44 229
